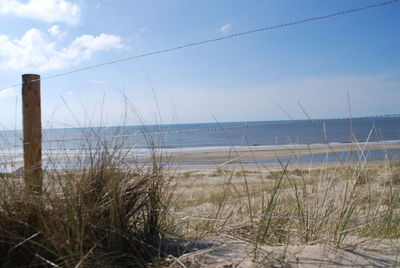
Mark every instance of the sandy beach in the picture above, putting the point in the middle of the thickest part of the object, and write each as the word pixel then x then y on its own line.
pixel 232 155
pixel 221 191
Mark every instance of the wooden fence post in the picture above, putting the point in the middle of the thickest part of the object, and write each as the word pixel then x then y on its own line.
pixel 32 133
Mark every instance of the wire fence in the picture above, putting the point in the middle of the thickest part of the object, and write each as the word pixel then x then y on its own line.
pixel 208 41
pixel 167 131
pixel 179 130
pixel 172 130
pixel 136 134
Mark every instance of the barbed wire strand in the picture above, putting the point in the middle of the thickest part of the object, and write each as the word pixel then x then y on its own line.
pixel 212 40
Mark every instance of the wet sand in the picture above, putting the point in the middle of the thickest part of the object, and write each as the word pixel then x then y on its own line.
pixel 235 155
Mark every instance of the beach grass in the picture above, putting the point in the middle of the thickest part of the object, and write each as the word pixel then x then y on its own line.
pixel 292 206
pixel 108 210
pixel 99 214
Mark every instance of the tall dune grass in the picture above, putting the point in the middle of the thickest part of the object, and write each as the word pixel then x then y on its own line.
pixel 99 213
pixel 339 205
pixel 108 210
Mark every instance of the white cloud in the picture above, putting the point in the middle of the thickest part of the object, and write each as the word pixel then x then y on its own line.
pixel 44 10
pixel 8 92
pixel 55 31
pixel 96 43
pixel 35 52
pixel 225 29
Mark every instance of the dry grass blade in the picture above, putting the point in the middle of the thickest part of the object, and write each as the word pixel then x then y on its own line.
pixel 91 215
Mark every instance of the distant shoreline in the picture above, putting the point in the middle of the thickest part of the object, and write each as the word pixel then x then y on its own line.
pixel 240 154
pixel 299 154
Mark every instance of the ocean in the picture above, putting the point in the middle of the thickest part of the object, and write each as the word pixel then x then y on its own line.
pixel 385 129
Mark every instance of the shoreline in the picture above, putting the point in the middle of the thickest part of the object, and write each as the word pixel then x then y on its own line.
pixel 254 154
pixel 268 155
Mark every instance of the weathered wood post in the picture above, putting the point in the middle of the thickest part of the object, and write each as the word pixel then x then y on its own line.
pixel 32 133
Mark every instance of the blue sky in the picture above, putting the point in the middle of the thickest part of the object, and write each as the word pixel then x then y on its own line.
pixel 315 64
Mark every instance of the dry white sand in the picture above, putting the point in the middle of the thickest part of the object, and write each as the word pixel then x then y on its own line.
pixel 227 251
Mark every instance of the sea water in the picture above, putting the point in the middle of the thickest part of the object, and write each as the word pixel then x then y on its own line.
pixel 140 139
